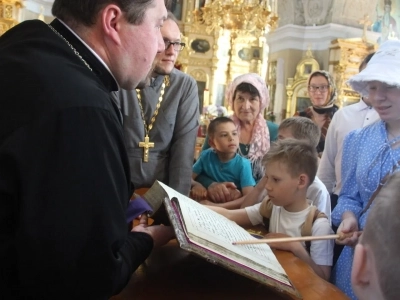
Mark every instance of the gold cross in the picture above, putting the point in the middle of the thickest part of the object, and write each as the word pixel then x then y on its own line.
pixel 146 145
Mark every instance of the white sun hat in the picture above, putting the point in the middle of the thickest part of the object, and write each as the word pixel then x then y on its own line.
pixel 384 66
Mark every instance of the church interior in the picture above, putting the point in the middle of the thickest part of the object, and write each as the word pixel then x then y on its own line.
pixel 282 41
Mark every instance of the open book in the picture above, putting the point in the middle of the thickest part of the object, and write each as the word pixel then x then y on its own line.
pixel 210 235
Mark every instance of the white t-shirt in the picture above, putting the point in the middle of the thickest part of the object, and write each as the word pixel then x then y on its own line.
pixel 319 197
pixel 282 221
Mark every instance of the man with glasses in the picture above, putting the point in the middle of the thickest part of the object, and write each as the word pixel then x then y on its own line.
pixel 161 120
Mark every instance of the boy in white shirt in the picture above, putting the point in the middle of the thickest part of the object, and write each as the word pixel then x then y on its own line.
pixel 299 128
pixel 290 167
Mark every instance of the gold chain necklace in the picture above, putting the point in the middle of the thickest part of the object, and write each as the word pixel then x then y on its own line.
pixel 72 47
pixel 146 144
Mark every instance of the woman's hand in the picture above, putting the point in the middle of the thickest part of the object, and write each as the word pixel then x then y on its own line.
pixel 220 192
pixel 349 224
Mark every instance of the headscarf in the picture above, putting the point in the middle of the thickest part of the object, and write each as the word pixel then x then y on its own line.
pixel 259 143
pixel 331 99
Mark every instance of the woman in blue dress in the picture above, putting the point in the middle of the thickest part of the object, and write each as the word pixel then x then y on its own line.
pixel 369 154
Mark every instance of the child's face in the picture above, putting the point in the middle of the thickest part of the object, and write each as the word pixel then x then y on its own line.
pixel 225 138
pixel 285 133
pixel 281 186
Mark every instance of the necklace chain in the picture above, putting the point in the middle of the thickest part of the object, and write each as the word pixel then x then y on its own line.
pixel 246 148
pixel 72 47
pixel 148 127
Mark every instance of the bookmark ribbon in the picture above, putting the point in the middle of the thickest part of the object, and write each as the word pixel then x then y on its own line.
pixel 137 207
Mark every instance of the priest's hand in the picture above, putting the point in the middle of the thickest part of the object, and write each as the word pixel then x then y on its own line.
pixel 160 234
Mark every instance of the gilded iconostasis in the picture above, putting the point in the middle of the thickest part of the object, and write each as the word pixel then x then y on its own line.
pixel 282 40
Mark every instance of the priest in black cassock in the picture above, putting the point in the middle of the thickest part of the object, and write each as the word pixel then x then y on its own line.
pixel 64 171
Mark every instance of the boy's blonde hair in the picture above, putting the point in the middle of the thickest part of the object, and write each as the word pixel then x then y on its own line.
pixel 302 128
pixel 298 155
pixel 381 235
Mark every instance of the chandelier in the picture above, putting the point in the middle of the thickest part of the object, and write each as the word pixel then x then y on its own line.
pixel 246 16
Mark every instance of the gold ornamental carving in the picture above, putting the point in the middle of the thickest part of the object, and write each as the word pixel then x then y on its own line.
pixel 296 88
pixel 237 15
pixel 346 56
pixel 200 63
pixel 9 14
pixel 199 75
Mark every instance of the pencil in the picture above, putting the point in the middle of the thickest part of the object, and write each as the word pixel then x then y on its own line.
pixel 340 236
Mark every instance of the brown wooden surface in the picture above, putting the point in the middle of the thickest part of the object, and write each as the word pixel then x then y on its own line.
pixel 172 273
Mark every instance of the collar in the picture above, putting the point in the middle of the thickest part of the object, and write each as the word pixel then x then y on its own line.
pixel 361 105
pixel 325 110
pixel 157 81
pixel 91 57
pixel 364 105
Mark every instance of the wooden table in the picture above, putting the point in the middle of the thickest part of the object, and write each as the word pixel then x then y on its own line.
pixel 172 273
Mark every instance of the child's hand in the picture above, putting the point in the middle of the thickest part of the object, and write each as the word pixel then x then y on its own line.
pixel 198 192
pixel 285 246
pixel 349 224
pixel 207 202
pixel 219 192
pixel 235 194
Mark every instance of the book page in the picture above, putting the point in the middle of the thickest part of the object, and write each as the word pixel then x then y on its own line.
pixel 203 223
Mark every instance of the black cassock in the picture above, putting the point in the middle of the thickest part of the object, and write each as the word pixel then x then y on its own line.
pixel 64 171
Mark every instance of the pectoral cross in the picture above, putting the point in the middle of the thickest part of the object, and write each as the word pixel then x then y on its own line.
pixel 146 145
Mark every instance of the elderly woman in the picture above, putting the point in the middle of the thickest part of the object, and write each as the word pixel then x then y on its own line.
pixel 370 154
pixel 248 97
pixel 322 92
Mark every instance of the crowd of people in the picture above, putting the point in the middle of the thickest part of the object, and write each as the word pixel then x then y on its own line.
pixel 101 115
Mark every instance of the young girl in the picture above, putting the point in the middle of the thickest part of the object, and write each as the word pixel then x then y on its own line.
pixel 369 154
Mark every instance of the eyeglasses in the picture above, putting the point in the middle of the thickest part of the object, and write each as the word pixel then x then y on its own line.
pixel 321 88
pixel 178 46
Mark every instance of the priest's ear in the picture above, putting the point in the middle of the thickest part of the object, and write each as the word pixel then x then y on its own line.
pixel 111 18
